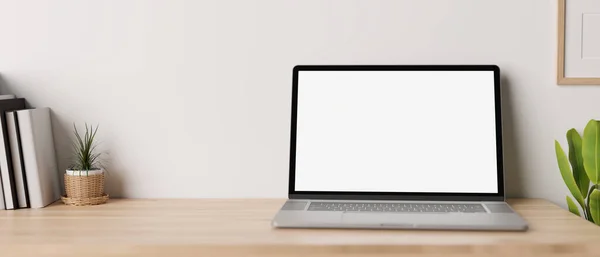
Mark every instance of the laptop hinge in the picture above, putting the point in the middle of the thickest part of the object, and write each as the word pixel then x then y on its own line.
pixel 398 197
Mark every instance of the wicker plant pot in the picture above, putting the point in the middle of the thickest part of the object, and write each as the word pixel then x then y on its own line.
pixel 84 188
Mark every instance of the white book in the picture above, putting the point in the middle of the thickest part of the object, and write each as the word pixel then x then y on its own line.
pixel 4 97
pixel 2 199
pixel 18 169
pixel 5 174
pixel 39 156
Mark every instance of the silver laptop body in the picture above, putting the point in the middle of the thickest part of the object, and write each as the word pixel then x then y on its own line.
pixel 397 147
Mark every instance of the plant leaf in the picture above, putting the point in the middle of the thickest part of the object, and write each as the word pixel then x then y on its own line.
pixel 587 212
pixel 572 207
pixel 565 171
pixel 595 206
pixel 84 147
pixel 591 151
pixel 576 160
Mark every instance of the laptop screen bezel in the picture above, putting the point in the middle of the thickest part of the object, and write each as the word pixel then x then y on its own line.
pixel 499 196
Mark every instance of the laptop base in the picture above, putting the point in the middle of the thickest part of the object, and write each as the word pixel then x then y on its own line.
pixel 498 216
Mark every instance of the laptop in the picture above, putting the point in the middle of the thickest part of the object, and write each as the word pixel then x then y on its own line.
pixel 397 147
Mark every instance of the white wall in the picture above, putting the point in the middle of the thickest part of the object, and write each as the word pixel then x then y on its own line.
pixel 193 96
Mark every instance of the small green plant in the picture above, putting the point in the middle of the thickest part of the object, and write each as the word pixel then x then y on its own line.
pixel 85 156
pixel 584 159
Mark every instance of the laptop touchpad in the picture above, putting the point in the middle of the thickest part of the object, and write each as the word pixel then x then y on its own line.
pixel 378 219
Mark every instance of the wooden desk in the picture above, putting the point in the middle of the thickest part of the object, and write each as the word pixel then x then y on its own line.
pixel 242 228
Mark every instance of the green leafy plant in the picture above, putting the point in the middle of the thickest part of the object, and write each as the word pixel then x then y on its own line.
pixel 85 156
pixel 580 168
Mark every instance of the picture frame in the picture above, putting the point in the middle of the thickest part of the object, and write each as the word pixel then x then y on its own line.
pixel 584 65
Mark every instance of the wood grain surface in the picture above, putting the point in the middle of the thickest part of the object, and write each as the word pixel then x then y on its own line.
pixel 241 227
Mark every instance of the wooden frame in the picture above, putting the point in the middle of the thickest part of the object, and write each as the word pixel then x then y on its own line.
pixel 561 79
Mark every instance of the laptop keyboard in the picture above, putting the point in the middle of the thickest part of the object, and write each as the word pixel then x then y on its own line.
pixel 394 207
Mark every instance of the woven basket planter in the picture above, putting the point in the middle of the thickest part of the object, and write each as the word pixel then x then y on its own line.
pixel 84 201
pixel 84 188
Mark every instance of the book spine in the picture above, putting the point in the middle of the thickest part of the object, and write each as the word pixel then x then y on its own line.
pixel 30 158
pixel 17 158
pixel 8 180
pixel 22 162
pixel 2 201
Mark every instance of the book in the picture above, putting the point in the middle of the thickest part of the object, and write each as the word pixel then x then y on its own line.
pixel 4 97
pixel 7 181
pixel 14 138
pixel 39 156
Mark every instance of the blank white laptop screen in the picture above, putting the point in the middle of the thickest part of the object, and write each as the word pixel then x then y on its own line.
pixel 396 131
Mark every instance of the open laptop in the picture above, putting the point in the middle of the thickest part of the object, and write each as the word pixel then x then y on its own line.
pixel 397 147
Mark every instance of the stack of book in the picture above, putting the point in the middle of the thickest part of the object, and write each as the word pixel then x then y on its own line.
pixel 29 175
